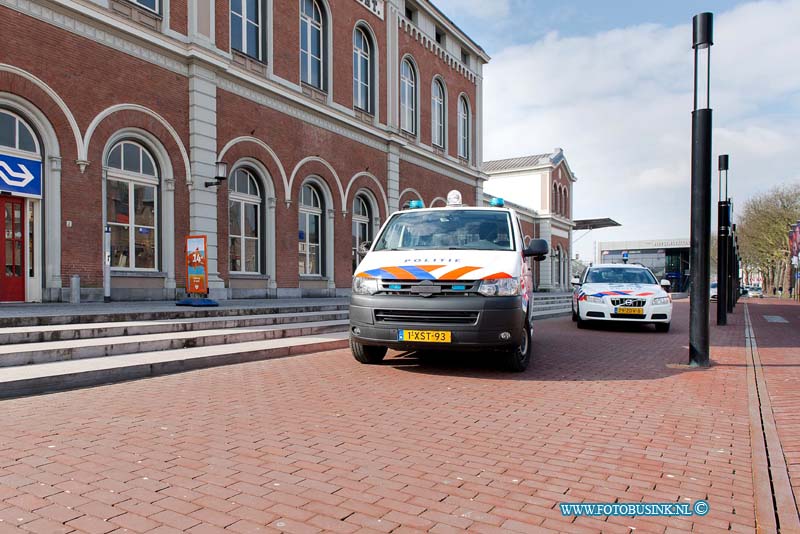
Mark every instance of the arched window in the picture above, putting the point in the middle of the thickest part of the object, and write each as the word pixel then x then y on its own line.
pixel 362 71
pixel 14 133
pixel 362 225
pixel 554 201
pixel 408 97
pixel 566 202
pixel 132 206
pixel 244 222
pixel 312 44
pixel 463 128
pixel 438 113
pixel 311 210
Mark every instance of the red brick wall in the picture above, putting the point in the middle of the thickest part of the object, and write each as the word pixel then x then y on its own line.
pixel 178 16
pixel 286 40
pixel 429 65
pixel 82 64
pixel 293 140
pixel 430 185
pixel 563 181
pixel 222 24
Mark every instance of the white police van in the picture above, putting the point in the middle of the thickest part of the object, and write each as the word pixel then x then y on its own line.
pixel 452 277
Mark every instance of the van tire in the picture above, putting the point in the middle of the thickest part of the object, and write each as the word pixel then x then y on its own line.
pixel 518 358
pixel 368 354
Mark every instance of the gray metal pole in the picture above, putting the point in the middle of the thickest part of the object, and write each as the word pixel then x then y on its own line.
pixel 700 237
pixel 107 264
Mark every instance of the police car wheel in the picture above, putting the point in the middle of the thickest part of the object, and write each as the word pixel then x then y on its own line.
pixel 574 315
pixel 518 358
pixel 367 353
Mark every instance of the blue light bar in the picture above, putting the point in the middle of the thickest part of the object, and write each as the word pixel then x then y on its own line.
pixel 416 204
pixel 497 202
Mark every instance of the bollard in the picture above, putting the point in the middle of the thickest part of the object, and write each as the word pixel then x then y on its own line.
pixel 75 289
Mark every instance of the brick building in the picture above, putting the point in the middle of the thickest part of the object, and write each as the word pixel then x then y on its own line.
pixel 329 114
pixel 541 183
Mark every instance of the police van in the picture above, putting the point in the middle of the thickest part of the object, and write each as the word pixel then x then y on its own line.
pixel 454 277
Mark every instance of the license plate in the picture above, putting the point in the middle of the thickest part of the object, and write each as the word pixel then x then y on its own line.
pixel 425 336
pixel 630 311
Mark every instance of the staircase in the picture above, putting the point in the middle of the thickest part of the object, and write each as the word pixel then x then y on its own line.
pixel 549 305
pixel 41 354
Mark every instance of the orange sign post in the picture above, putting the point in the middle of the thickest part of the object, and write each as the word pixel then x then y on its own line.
pixel 196 265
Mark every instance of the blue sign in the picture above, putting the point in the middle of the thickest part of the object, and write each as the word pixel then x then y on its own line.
pixel 20 176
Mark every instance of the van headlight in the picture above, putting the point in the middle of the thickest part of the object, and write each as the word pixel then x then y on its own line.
pixel 499 287
pixel 365 286
pixel 661 300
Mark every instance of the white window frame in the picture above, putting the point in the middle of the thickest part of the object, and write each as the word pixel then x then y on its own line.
pixel 157 10
pixel 408 97
pixel 245 21
pixel 464 129
pixel 314 20
pixel 438 114
pixel 358 76
pixel 245 199
pixel 309 211
pixel 133 179
pixel 20 123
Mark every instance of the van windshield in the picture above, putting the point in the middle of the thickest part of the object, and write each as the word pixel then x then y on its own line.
pixel 619 275
pixel 447 230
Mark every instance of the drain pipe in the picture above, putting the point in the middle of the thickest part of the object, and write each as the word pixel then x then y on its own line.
pixel 107 264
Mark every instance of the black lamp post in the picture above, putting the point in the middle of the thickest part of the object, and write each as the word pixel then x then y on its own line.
pixel 703 25
pixel 724 223
pixel 222 175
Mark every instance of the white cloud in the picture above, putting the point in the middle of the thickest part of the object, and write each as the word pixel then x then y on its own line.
pixel 619 103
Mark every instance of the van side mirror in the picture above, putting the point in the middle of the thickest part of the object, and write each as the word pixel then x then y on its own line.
pixel 576 281
pixel 363 247
pixel 537 249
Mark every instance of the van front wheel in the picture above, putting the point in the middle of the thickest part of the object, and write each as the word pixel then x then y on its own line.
pixel 518 358
pixel 367 353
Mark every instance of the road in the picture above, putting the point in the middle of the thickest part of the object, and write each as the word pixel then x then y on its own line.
pixel 321 443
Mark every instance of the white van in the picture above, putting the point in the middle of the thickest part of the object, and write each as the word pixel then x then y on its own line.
pixel 450 278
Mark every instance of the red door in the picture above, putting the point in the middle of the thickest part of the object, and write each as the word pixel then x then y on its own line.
pixel 12 246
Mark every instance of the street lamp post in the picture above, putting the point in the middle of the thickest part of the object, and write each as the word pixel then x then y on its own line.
pixel 723 224
pixel 701 190
pixel 733 266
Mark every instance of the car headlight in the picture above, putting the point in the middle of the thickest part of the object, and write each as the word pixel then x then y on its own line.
pixel 499 287
pixel 365 286
pixel 596 300
pixel 661 300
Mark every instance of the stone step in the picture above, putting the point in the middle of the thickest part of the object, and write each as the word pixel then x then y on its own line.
pixel 64 314
pixel 57 376
pixel 55 351
pixel 88 330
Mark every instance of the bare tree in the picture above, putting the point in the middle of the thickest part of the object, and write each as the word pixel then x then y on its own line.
pixel 763 234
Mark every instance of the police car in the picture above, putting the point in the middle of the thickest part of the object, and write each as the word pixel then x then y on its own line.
pixel 621 292
pixel 448 278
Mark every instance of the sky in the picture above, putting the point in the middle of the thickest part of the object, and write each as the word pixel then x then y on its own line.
pixel 611 83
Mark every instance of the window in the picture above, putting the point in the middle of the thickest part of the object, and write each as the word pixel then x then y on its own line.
pixel 411 13
pixel 463 128
pixel 244 223
pixel 566 202
pixel 132 206
pixel 454 230
pixel 554 201
pixel 465 57
pixel 362 225
pixel 150 5
pixel 246 27
pixel 311 209
pixel 438 113
pixel 408 97
pixel 14 133
pixel 362 71
pixel 311 44
pixel 440 39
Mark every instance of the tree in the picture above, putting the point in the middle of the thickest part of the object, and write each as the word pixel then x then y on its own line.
pixel 763 232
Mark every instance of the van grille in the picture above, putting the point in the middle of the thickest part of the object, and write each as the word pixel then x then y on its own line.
pixel 426 317
pixel 435 287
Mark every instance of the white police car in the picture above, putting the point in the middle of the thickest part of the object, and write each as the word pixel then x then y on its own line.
pixel 621 292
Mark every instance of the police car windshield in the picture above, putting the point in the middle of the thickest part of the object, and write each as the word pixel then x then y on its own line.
pixel 447 230
pixel 619 275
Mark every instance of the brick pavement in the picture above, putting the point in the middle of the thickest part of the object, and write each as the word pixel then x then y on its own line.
pixel 319 443
pixel 779 350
